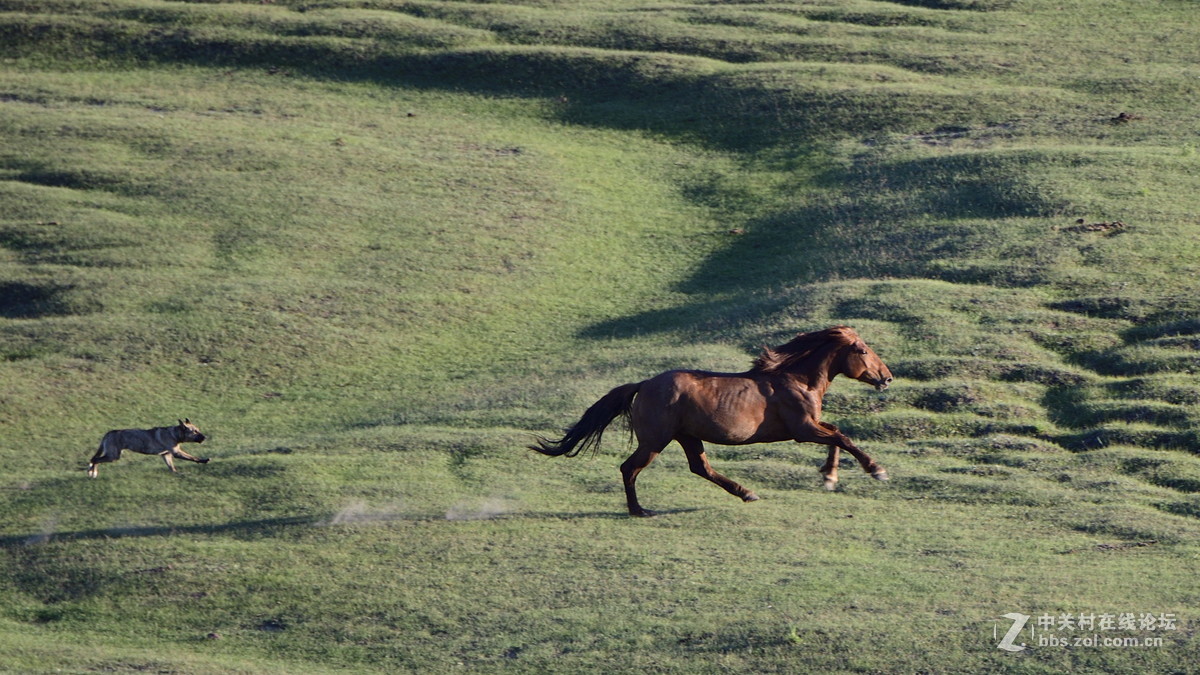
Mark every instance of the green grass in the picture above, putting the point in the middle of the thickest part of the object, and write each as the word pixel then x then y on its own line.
pixel 371 248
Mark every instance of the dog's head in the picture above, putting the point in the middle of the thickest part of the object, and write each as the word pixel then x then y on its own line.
pixel 188 432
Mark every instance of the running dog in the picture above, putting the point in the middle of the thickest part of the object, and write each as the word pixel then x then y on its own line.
pixel 161 441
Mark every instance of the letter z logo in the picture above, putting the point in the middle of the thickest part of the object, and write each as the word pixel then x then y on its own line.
pixel 1019 621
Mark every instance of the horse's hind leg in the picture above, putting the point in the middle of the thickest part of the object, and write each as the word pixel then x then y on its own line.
pixel 829 470
pixel 698 461
pixel 640 459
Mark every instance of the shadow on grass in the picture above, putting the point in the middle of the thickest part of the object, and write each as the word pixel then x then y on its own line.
pixel 245 528
pixel 878 218
pixel 700 101
pixel 612 515
pixel 268 527
pixel 456 516
pixel 625 87
pixel 21 300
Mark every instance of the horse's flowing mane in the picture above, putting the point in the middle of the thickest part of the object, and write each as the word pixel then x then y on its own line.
pixel 802 348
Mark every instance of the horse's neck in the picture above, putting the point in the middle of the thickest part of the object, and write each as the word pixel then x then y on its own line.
pixel 817 380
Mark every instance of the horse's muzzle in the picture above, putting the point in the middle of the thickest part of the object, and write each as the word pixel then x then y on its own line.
pixel 882 384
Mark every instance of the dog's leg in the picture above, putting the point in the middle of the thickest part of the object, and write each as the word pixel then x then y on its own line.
pixel 183 455
pixel 103 454
pixel 167 458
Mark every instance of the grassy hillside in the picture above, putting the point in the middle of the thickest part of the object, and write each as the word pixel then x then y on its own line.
pixel 371 246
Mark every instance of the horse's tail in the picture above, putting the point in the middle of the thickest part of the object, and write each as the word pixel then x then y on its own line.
pixel 586 433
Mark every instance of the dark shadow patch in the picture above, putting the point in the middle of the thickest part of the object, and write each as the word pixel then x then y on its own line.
pixel 1108 548
pixel 974 5
pixel 632 84
pixel 58 244
pixel 243 528
pixel 74 180
pixel 1107 307
pixel 1105 526
pixel 244 470
pixel 272 626
pixel 1073 407
pixel 864 230
pixel 878 219
pixel 22 300
pixel 947 399
pixel 277 450
pixel 1103 437
pixel 1166 328
pixel 621 514
pixel 1190 508
pixel 1179 483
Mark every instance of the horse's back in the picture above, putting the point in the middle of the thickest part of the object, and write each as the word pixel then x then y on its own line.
pixel 725 408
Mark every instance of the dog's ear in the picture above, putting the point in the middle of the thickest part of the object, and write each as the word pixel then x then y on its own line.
pixel 187 421
pixel 180 422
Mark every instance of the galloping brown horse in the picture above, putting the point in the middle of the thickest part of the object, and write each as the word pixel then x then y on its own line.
pixel 778 399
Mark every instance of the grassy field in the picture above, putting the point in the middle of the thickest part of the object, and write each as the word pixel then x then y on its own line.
pixel 370 247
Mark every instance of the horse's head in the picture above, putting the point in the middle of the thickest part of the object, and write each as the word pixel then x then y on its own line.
pixel 863 364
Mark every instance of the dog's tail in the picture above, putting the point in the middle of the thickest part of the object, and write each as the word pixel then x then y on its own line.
pixel 587 432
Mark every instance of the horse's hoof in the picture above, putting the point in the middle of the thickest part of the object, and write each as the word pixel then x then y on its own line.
pixel 641 513
pixel 830 485
pixel 880 475
pixel 750 497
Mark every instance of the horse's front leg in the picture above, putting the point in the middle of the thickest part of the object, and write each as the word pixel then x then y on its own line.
pixel 841 440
